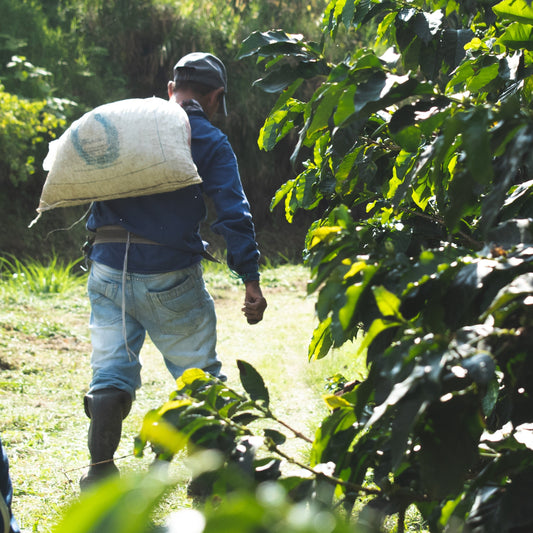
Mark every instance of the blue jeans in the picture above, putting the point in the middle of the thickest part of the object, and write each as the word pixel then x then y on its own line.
pixel 174 308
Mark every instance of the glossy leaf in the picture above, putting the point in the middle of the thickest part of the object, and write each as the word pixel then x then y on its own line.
pixel 263 42
pixel 321 341
pixel 124 505
pixel 517 10
pixel 253 382
pixel 388 302
pixel 454 41
pixel 518 36
pixel 281 78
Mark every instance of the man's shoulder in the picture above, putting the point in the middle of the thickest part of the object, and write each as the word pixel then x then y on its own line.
pixel 202 127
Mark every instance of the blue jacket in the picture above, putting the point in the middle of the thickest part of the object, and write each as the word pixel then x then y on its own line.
pixel 173 219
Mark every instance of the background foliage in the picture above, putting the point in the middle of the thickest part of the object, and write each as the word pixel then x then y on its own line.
pixel 75 55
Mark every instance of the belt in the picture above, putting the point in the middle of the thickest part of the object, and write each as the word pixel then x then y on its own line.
pixel 107 234
pixel 118 234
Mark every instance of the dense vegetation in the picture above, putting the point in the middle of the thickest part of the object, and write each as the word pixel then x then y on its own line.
pixel 417 154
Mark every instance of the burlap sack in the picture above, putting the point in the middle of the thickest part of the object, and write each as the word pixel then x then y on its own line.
pixel 128 148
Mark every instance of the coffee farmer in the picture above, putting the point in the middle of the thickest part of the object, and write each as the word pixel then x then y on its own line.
pixel 146 275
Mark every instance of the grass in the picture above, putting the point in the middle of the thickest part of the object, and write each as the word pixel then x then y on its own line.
pixel 34 277
pixel 44 362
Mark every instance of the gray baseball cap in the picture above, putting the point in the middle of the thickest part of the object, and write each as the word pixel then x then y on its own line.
pixel 203 68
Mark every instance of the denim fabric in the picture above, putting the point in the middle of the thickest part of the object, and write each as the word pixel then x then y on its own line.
pixel 174 308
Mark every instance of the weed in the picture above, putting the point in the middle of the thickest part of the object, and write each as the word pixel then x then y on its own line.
pixel 30 276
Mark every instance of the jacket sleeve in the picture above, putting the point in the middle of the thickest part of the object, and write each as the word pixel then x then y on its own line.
pixel 223 185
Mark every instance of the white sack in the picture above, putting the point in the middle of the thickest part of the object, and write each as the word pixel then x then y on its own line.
pixel 128 148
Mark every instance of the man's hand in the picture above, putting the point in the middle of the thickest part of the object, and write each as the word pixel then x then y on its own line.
pixel 254 302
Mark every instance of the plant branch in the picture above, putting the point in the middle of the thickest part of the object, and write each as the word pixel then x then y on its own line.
pixel 295 432
pixel 267 413
pixel 331 479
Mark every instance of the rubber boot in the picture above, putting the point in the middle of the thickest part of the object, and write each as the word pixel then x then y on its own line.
pixel 106 408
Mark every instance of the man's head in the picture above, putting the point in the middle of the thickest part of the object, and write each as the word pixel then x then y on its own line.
pixel 202 73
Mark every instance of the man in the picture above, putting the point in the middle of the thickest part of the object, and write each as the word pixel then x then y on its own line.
pixel 146 275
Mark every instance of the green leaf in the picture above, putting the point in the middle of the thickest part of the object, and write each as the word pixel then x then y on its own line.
pixel 379 325
pixel 400 183
pixel 483 77
pixel 517 36
pixel 321 341
pixel 265 42
pixel 517 10
pixel 378 87
pixel 282 192
pixel 304 194
pixel 118 505
pixel 276 436
pixel 409 138
pixel 356 14
pixel 190 376
pixel 476 142
pixel 521 286
pixel 512 232
pixel 354 292
pixel 279 79
pixel 325 105
pixel 464 72
pixel 388 303
pixel 481 367
pixel 336 402
pixel 454 42
pixel 245 418
pixel 449 445
pixel 253 382
pixel 338 422
pixel 279 123
pixel 427 25
pixel 516 199
pixel 344 10
pixel 398 392
pixel 345 106
pixel 158 432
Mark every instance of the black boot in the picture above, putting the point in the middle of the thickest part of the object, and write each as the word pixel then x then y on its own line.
pixel 106 408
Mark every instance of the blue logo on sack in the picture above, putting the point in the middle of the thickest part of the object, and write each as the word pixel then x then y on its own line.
pixel 93 153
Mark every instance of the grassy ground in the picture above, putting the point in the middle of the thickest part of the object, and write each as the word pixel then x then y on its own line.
pixel 44 372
